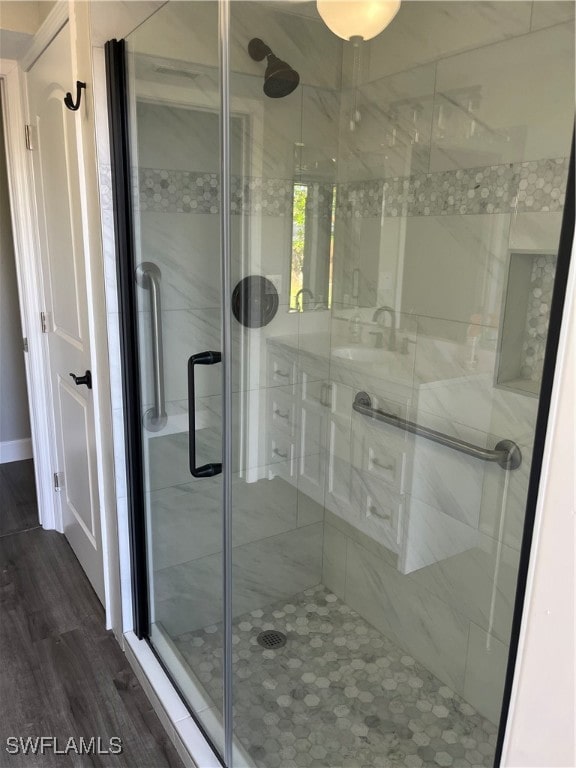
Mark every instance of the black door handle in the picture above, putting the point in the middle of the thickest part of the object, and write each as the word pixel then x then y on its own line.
pixel 215 468
pixel 86 379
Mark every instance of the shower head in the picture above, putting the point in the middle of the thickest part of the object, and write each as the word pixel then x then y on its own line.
pixel 279 79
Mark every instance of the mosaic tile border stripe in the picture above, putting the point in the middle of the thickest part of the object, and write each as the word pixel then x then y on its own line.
pixel 538 316
pixel 539 185
pixel 193 192
pixel 535 186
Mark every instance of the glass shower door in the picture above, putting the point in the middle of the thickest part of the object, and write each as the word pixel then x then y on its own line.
pixel 405 215
pixel 343 593
pixel 174 81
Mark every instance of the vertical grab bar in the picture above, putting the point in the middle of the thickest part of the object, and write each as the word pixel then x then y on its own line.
pixel 148 277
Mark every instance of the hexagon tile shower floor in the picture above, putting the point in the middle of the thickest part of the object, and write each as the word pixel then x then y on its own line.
pixel 338 695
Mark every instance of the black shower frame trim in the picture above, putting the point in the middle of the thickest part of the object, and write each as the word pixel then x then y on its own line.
pixel 550 359
pixel 118 123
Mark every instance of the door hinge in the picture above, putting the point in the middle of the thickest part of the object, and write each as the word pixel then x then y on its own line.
pixel 29 134
pixel 44 322
pixel 58 481
pixel 25 344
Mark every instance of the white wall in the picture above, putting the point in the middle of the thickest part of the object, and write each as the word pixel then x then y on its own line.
pixel 541 726
pixel 22 16
pixel 14 421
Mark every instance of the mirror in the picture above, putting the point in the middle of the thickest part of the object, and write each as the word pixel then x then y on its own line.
pixel 313 212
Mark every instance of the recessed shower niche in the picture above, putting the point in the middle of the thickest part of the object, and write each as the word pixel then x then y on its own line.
pixel 525 318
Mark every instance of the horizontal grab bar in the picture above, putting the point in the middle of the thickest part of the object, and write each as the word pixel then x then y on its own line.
pixel 506 453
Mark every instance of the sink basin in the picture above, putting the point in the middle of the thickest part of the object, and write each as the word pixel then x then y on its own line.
pixel 362 354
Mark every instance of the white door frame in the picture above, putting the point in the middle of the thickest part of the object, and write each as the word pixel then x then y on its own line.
pixel 28 266
pixel 30 290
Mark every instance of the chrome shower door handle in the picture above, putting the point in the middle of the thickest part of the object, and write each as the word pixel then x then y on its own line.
pixel 148 277
pixel 213 468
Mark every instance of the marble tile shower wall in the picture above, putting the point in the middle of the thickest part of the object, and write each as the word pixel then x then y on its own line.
pixel 447 209
pixel 444 599
pixel 189 303
pixel 277 532
pixel 536 186
pixel 451 601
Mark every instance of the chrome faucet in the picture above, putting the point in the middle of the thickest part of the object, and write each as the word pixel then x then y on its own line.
pixel 376 319
pixel 299 299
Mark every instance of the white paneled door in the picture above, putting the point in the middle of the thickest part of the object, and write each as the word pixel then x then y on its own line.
pixel 57 191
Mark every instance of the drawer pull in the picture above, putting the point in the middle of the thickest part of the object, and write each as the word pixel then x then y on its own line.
pixel 326 395
pixel 387 467
pixel 278 412
pixel 282 374
pixel 372 510
pixel 280 455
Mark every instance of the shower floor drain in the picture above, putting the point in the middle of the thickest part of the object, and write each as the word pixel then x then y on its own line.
pixel 271 639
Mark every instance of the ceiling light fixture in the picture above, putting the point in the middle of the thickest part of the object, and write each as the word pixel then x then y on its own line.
pixel 357 18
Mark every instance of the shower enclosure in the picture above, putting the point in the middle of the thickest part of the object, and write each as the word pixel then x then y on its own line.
pixel 337 264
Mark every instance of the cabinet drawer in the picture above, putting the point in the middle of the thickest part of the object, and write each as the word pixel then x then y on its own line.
pixel 385 462
pixel 281 447
pixel 282 410
pixel 380 509
pixel 380 455
pixel 281 368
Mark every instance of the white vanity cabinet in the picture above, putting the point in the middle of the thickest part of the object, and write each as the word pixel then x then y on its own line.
pixel 282 430
pixel 334 456
pixel 381 461
pixel 384 481
pixel 312 405
pixel 339 450
pixel 399 484
pixel 281 366
pixel 297 421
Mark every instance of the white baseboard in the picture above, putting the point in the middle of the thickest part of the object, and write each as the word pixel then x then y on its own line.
pixel 15 450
